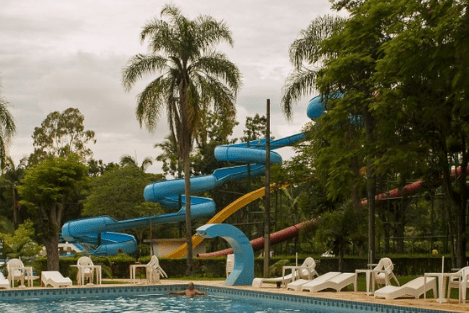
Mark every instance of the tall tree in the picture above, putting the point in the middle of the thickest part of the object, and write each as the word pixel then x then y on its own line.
pixel 169 156
pixel 254 128
pixel 61 134
pixel 19 243
pixel 7 129
pixel 118 193
pixel 346 63
pixel 423 75
pixel 46 190
pixel 214 130
pixel 194 76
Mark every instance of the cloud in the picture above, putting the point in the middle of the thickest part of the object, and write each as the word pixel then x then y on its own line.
pixel 60 54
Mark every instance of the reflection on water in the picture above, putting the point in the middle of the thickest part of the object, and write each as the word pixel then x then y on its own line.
pixel 148 303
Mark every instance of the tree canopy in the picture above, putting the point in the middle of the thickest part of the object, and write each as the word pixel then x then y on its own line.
pixel 61 134
pixel 401 111
pixel 7 129
pixel 45 190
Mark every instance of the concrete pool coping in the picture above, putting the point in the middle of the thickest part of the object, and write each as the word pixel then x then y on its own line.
pixel 359 297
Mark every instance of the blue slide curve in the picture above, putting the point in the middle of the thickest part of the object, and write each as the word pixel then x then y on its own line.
pixel 101 232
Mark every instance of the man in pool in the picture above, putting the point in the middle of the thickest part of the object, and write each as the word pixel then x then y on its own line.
pixel 190 292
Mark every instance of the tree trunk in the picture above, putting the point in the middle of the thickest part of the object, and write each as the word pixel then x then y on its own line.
pixel 185 138
pixel 52 250
pixel 49 225
pixel 371 191
pixel 187 189
pixel 462 240
pixel 341 257
pixel 462 236
pixel 370 184
pixel 15 208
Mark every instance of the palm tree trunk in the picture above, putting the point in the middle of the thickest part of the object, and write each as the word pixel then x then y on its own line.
pixel 187 189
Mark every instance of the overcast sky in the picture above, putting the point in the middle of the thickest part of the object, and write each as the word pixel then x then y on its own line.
pixel 70 53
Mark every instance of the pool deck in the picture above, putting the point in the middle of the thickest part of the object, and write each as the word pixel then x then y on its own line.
pixel 359 296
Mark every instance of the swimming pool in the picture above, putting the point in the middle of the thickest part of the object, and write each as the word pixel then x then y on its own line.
pixel 148 303
pixel 155 298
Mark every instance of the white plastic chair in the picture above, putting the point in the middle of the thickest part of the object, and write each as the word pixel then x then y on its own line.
pixel 311 265
pixel 384 272
pixel 16 271
pixel 85 270
pixel 460 281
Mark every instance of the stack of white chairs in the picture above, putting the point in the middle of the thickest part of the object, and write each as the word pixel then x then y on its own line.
pixel 154 271
pixel 16 271
pixel 85 270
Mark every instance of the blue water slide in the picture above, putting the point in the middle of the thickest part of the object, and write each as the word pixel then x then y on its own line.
pixel 101 232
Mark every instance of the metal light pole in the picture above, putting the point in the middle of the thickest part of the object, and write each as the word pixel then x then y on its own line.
pixel 267 195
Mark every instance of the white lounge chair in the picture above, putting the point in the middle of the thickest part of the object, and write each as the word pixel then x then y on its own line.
pixel 55 279
pixel 4 283
pixel 414 288
pixel 308 272
pixel 336 282
pixel 383 272
pixel 460 281
pixel 298 284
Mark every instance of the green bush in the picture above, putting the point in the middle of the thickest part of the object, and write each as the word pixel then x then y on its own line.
pixel 214 268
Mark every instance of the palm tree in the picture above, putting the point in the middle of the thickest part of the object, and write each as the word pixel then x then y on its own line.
pixel 127 160
pixel 306 55
pixel 7 129
pixel 11 177
pixel 193 77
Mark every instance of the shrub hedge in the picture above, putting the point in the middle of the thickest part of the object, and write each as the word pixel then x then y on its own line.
pixel 118 266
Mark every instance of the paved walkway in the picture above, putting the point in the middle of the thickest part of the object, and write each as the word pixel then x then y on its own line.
pixel 451 306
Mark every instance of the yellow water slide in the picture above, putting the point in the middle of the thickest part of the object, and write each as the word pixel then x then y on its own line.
pixel 220 217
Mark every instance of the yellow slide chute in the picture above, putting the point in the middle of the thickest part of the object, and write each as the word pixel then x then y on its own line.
pixel 219 218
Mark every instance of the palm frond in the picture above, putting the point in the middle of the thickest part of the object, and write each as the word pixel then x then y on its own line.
pixel 211 32
pixel 216 64
pixel 151 101
pixel 139 65
pixel 308 47
pixel 299 83
pixel 214 91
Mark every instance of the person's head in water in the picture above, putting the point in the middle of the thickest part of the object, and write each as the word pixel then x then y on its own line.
pixel 190 291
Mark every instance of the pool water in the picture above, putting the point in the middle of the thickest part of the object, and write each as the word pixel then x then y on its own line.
pixel 151 303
